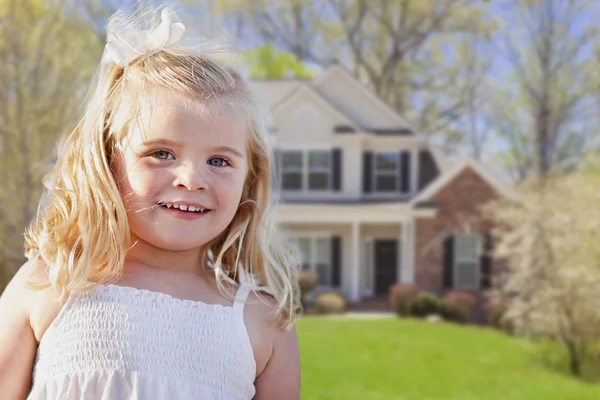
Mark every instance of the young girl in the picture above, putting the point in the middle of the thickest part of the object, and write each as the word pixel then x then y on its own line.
pixel 155 271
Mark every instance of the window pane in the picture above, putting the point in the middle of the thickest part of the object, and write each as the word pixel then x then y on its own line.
pixel 291 180
pixel 323 250
pixel 318 160
pixel 466 247
pixel 466 274
pixel 323 274
pixel 386 162
pixel 304 247
pixel 386 183
pixel 318 180
pixel 291 160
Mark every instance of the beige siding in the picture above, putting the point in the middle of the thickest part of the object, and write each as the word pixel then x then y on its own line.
pixel 349 97
pixel 305 120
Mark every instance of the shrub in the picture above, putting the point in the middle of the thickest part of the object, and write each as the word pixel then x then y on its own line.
pixel 424 304
pixel 495 311
pixel 458 306
pixel 400 297
pixel 330 303
pixel 307 281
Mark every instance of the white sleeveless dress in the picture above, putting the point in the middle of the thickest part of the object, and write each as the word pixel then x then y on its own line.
pixel 123 343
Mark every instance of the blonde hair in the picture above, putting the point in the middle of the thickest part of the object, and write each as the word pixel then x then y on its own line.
pixel 82 234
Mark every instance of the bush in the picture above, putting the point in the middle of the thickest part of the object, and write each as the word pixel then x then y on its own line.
pixel 400 297
pixel 458 306
pixel 424 304
pixel 495 310
pixel 330 303
pixel 307 281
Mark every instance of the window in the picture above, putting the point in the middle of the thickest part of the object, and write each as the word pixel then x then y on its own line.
pixel 466 261
pixel 291 170
pixel 305 170
pixel 316 256
pixel 386 172
pixel 319 170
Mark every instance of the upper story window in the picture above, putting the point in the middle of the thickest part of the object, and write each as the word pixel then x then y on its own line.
pixel 305 170
pixel 386 172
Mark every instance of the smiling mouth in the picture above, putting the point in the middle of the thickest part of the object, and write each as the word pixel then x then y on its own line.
pixel 182 207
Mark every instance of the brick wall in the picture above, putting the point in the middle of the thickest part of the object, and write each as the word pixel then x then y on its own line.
pixel 459 211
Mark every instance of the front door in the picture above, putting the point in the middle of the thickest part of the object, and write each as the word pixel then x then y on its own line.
pixel 386 264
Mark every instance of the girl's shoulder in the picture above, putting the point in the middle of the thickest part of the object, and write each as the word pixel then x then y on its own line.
pixel 276 349
pixel 37 300
pixel 263 326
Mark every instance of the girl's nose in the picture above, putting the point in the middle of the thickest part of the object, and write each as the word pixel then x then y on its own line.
pixel 191 177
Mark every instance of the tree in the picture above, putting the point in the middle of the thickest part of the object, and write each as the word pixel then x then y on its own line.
pixel 265 62
pixel 543 107
pixel 548 242
pixel 400 48
pixel 48 58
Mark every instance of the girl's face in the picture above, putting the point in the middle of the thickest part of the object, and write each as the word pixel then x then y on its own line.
pixel 181 175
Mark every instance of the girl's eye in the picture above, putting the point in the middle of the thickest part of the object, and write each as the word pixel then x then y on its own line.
pixel 218 162
pixel 162 155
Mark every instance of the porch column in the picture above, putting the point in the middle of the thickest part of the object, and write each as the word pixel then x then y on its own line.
pixel 354 293
pixel 408 251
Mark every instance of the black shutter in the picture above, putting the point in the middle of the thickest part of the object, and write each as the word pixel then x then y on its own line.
pixel 276 170
pixel 336 169
pixel 367 172
pixel 404 185
pixel 449 262
pixel 336 253
pixel 486 261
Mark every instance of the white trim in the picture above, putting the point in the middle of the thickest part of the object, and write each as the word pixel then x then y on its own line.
pixel 354 293
pixel 384 214
pixel 318 99
pixel 447 177
pixel 373 97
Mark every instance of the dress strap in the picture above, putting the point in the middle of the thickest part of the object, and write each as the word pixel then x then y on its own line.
pixel 241 296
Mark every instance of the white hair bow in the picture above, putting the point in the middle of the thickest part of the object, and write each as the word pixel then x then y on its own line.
pixel 125 46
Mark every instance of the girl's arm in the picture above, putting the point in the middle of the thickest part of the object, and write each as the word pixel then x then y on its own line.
pixel 17 341
pixel 280 378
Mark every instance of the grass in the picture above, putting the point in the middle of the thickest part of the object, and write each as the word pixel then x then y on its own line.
pixel 393 359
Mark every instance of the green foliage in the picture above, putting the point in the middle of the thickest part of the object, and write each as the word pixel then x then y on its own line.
pixel 265 62
pixel 49 54
pixel 424 304
pixel 380 358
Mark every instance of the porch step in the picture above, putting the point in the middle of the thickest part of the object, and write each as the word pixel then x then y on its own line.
pixel 371 304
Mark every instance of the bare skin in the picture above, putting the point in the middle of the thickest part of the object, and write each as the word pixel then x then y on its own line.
pixel 27 314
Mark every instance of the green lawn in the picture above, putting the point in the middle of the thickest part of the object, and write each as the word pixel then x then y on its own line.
pixel 392 359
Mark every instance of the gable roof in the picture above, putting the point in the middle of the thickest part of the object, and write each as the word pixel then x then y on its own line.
pixel 306 89
pixel 445 178
pixel 340 71
pixel 275 92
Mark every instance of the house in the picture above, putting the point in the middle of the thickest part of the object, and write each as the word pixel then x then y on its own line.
pixel 366 197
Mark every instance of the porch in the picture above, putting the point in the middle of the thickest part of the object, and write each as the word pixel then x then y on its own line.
pixel 361 256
